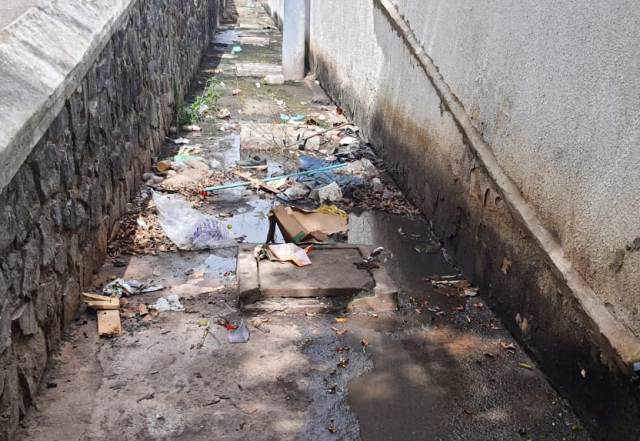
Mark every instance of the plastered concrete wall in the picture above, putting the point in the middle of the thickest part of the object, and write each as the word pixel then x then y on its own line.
pixel 89 88
pixel 574 171
pixel 554 88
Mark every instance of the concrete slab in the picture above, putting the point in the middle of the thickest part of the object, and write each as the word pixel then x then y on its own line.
pixel 332 273
pixel 331 283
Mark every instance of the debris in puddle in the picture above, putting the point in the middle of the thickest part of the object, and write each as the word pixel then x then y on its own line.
pixel 188 228
pixel 274 178
pixel 169 303
pixel 252 162
pixel 240 334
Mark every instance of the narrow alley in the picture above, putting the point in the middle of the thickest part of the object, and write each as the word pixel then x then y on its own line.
pixel 440 367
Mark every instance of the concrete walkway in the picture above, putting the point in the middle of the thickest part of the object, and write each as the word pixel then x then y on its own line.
pixel 440 368
pixel 12 9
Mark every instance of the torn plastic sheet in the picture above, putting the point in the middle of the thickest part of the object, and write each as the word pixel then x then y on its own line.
pixel 125 288
pixel 187 227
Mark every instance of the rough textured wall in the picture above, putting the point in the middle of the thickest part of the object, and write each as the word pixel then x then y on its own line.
pixel 364 62
pixel 554 87
pixel 59 209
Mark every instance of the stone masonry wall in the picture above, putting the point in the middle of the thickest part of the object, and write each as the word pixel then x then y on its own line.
pixel 58 211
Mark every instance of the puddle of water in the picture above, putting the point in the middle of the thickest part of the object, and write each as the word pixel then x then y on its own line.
pixel 415 253
pixel 226 37
pixel 227 150
pixel 252 221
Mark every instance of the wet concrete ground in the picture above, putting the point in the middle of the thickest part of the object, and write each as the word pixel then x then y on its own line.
pixel 441 368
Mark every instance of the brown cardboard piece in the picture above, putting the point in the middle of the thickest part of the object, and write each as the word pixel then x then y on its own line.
pixel 301 226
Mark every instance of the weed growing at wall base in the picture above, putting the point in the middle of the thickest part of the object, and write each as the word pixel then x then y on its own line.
pixel 202 104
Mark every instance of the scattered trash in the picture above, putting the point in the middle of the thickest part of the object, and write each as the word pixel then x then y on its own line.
pixel 252 162
pixel 109 324
pixel 188 228
pixel 235 92
pixel 366 265
pixel 300 226
pixel 296 191
pixel 223 113
pixel 525 366
pixel 125 288
pixel 362 167
pixel 331 427
pixel 191 128
pixel 236 49
pixel 365 344
pixel 341 320
pixel 331 193
pixel 507 346
pixel 374 254
pixel 274 178
pixel 583 373
pixel 290 252
pixel 470 292
pixel 340 332
pixel 99 302
pixel 343 363
pixel 240 334
pixel 332 210
pixel 169 303
pixel 347 140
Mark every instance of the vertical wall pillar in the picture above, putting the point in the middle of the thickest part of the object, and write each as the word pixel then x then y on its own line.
pixel 293 39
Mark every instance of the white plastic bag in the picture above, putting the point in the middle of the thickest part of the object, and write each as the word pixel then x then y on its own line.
pixel 188 228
